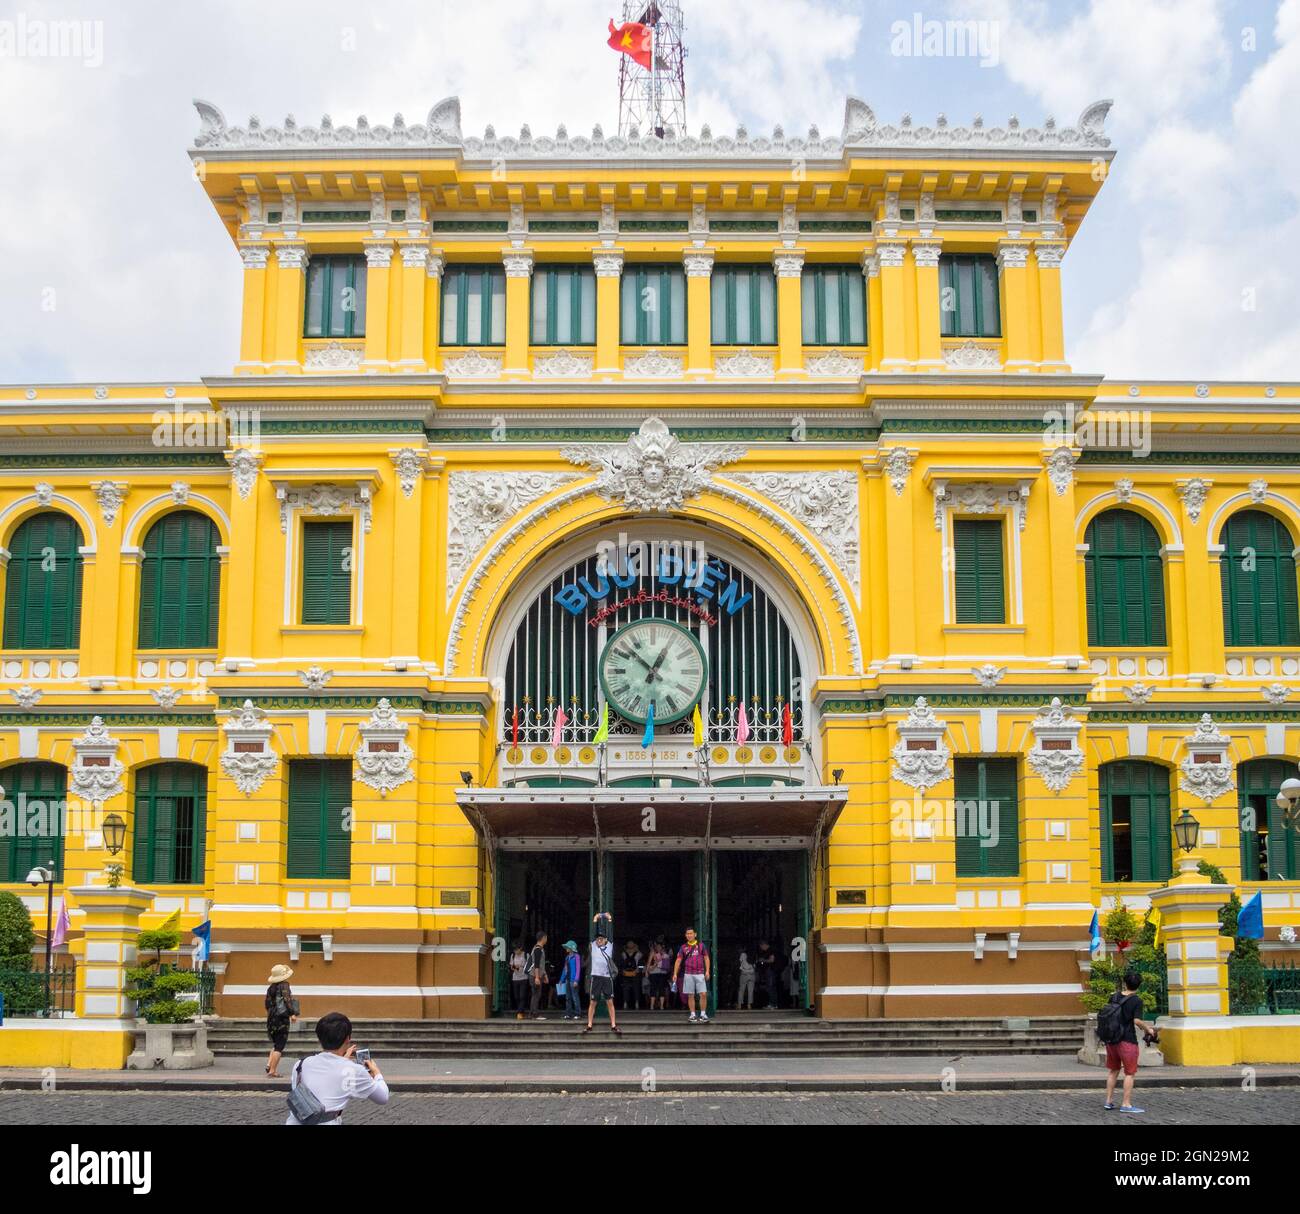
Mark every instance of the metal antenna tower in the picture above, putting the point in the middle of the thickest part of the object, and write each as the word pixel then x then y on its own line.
pixel 654 101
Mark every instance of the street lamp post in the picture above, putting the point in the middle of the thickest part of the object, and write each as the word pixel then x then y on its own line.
pixel 35 877
pixel 1288 801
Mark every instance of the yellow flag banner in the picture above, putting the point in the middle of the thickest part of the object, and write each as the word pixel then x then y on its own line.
pixel 172 923
pixel 698 722
pixel 1154 919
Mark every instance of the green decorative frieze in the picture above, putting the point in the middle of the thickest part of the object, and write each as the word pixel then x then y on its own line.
pixel 835 225
pixel 79 718
pixel 1141 714
pixel 344 425
pixel 562 225
pixel 963 425
pixel 652 225
pixel 742 225
pixel 1245 459
pixel 127 459
pixel 620 434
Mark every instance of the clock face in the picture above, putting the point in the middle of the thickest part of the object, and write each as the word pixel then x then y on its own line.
pixel 653 661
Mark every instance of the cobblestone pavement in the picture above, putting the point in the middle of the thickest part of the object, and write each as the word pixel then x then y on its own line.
pixel 1166 1106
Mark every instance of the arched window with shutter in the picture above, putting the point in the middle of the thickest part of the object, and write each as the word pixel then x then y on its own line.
pixel 1125 581
pixel 1269 850
pixel 43 584
pixel 1136 823
pixel 1258 580
pixel 170 821
pixel 180 583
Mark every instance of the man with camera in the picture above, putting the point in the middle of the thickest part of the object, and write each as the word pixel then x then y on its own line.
pixel 322 1085
pixel 1117 1025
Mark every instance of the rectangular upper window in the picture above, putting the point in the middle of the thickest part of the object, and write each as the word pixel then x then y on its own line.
pixel 320 804
pixel 968 296
pixel 744 306
pixel 653 305
pixel 834 306
pixel 327 573
pixel 336 297
pixel 474 306
pixel 564 306
pixel 986 817
pixel 980 584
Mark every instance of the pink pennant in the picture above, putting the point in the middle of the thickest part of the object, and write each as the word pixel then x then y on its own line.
pixel 742 726
pixel 561 720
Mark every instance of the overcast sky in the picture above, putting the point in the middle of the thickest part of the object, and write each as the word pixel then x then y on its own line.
pixel 116 268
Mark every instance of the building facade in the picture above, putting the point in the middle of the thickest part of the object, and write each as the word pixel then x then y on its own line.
pixel 712 530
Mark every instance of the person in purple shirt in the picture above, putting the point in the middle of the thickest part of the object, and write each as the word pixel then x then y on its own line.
pixel 694 965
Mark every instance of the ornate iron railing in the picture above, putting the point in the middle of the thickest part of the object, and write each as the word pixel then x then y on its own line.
pixel 528 724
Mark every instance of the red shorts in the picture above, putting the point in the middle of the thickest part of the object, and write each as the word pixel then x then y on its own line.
pixel 1122 1057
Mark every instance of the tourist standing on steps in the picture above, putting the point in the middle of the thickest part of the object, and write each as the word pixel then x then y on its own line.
pixel 745 993
pixel 603 969
pixel 766 962
pixel 661 961
pixel 519 980
pixel 570 976
pixel 694 965
pixel 281 1012
pixel 630 969
pixel 537 976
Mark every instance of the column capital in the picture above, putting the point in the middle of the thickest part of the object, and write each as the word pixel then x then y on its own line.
pixel 433 267
pixel 379 254
pixel 415 254
pixel 788 263
pixel 292 256
pixel 927 252
pixel 890 253
pixel 608 262
pixel 870 263
pixel 1013 254
pixel 255 255
pixel 1049 255
pixel 518 262
pixel 698 263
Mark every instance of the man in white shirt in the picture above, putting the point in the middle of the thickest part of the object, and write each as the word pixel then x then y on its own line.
pixel 334 1075
pixel 602 971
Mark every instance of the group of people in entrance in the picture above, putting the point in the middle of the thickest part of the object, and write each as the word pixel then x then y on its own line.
pixel 627 978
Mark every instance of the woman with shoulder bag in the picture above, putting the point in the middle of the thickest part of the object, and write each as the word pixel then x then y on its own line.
pixel 281 1011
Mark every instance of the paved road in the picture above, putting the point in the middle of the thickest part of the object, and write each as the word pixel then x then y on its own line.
pixel 1166 1106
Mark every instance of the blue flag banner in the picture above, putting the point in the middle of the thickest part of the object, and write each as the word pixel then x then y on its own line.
pixel 202 934
pixel 1094 934
pixel 1250 923
pixel 647 739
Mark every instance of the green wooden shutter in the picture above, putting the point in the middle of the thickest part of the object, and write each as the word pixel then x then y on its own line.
pixel 1259 604
pixel 987 781
pixel 165 792
pixel 1124 576
pixel 326 581
pixel 966 788
pixel 26 784
pixel 43 605
pixel 180 583
pixel 1257 783
pixel 320 793
pixel 1106 822
pixel 978 566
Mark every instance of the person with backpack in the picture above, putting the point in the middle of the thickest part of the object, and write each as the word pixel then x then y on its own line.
pixel 695 966
pixel 535 968
pixel 321 1086
pixel 570 975
pixel 603 969
pixel 519 979
pixel 1117 1025
pixel 281 1012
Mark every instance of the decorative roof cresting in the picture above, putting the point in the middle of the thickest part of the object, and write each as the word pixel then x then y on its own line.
pixel 861 131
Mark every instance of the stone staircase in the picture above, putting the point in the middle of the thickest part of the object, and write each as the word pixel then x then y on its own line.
pixel 732 1034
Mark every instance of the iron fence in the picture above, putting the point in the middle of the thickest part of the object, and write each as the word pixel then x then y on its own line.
pixel 28 993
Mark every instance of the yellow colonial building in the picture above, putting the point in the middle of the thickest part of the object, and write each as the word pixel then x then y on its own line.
pixel 710 529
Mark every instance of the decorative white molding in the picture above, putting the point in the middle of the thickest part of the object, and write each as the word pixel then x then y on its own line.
pixel 43 491
pixel 1277 693
pixel 166 696
pixel 653 364
pixel 1258 491
pixel 788 263
pixel 608 262
pixel 333 356
pixel 244 464
pixel 926 253
pixel 1049 256
pixel 1012 255
pixel 410 463
pixel 563 364
pixel 890 254
pixel 324 499
pixel 1139 693
pixel 921 758
pixel 1193 493
pixel 478 503
pixel 472 365
pixel 971 356
pixel 1060 468
pixel 833 363
pixel 249 769
pixel 26 696
pixel 255 256
pixel 96 771
pixel 898 467
pixel 379 254
pixel 180 492
pixel 1210 778
pixel 653 472
pixel 988 675
pixel 824 502
pixel 414 256
pixel 1123 489
pixel 1056 765
pixel 698 263
pixel 292 256
pixel 110 495
pixel 518 263
pixel 314 678
pixel 383 760
pixel 744 365
pixel 980 497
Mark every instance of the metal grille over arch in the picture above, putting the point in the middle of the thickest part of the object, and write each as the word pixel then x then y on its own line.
pixel 751 651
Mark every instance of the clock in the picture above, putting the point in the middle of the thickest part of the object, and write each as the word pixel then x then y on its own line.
pixel 653 661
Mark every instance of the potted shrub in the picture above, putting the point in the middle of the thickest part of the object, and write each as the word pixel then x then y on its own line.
pixel 170 1038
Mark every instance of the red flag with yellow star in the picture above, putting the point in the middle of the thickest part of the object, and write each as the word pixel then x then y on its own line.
pixel 632 39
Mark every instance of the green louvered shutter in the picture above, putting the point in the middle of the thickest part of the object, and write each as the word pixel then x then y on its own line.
pixel 1257 783
pixel 320 794
pixel 43 605
pixel 1162 835
pixel 1124 575
pixel 1106 822
pixel 170 821
pixel 180 583
pixel 988 781
pixel 326 576
pixel 966 788
pixel 980 585
pixel 1150 827
pixel 41 790
pixel 1259 603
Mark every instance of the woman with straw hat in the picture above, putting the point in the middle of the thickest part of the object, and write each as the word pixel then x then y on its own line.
pixel 281 1011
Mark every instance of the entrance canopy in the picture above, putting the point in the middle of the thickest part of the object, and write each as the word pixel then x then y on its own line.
pixel 664 818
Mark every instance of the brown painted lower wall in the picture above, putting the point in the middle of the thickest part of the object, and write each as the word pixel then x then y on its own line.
pixel 870 962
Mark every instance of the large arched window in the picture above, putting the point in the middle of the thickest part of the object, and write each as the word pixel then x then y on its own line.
pixel 43 584
pixel 170 819
pixel 37 803
pixel 1125 581
pixel 180 583
pixel 1136 842
pixel 1269 851
pixel 1258 578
